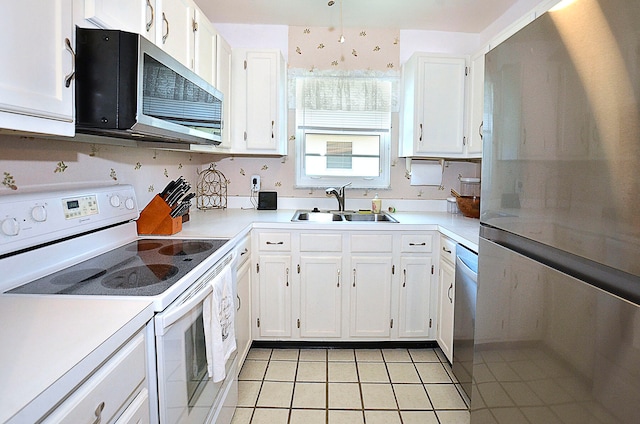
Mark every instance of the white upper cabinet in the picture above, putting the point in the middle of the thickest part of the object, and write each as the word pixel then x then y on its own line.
pixel 175 29
pixel 178 26
pixel 223 83
pixel 259 117
pixel 36 85
pixel 475 106
pixel 432 108
pixel 205 47
pixel 138 16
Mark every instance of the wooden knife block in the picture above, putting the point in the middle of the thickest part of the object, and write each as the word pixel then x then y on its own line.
pixel 155 219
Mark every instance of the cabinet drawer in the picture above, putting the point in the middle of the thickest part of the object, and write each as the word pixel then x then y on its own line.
pixel 417 243
pixel 243 251
pixel 371 243
pixel 108 389
pixel 448 250
pixel 138 411
pixel 315 242
pixel 274 242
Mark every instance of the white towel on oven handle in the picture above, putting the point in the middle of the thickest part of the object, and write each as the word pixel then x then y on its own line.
pixel 218 314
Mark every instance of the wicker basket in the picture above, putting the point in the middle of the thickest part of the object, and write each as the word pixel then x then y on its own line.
pixel 469 206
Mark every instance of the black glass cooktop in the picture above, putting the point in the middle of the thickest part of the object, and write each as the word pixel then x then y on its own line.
pixel 146 267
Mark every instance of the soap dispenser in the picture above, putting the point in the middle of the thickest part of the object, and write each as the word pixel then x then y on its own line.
pixel 376 204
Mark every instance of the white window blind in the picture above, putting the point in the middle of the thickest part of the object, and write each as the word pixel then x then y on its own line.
pixel 343 127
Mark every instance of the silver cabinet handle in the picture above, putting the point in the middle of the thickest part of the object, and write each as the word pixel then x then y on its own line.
pixel 420 132
pixel 273 123
pixel 272 242
pixel 239 303
pixel 153 16
pixel 164 37
pixel 338 278
pixel 449 293
pixel 99 410
pixel 287 277
pixel 354 277
pixel 69 77
pixel 404 283
pixel 418 244
pixel 446 250
pixel 244 252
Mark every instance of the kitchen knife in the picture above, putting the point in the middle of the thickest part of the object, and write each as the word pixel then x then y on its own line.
pixel 181 209
pixel 176 195
pixel 167 189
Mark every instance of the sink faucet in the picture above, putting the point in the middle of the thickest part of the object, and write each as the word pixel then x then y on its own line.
pixel 339 193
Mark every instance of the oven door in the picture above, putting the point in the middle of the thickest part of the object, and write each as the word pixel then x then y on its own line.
pixel 186 394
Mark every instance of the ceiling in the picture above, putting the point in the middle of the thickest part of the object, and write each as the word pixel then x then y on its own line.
pixel 472 16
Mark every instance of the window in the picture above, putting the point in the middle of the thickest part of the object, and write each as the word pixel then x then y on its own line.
pixel 343 132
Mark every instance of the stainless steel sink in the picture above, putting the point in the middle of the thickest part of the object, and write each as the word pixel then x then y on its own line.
pixel 340 216
pixel 371 217
pixel 317 216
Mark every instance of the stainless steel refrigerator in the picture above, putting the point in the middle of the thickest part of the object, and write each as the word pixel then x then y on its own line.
pixel 557 331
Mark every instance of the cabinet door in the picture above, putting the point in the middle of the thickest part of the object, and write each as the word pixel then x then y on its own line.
pixel 320 296
pixel 243 311
pixel 223 83
pixel 445 311
pixel 205 48
pixel 370 296
pixel 259 110
pixel 476 106
pixel 415 297
pixel 274 280
pixel 176 30
pixel 136 16
pixel 36 63
pixel 262 101
pixel 440 110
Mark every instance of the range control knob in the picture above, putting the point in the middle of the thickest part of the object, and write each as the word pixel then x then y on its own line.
pixel 129 204
pixel 115 201
pixel 10 227
pixel 39 213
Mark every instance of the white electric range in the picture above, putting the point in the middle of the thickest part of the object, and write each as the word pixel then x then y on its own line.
pixel 84 242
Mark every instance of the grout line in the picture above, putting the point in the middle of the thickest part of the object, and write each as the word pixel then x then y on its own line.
pixel 362 408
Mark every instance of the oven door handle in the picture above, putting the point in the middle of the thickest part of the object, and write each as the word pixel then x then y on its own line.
pixel 165 319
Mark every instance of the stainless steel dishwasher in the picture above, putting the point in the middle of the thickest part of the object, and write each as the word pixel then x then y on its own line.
pixel 466 286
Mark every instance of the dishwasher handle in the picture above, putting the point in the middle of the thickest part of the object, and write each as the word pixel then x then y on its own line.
pixel 461 266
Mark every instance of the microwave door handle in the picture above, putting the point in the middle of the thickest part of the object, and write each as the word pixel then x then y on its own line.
pixel 173 314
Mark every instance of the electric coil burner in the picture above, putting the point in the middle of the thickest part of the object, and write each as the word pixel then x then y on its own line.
pixel 145 267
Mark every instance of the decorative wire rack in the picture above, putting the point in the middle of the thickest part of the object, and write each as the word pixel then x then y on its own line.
pixel 211 189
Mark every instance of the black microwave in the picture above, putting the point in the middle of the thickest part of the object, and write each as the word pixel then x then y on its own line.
pixel 127 87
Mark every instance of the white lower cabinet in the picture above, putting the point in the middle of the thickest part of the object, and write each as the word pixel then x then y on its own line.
pixel 117 390
pixel 243 299
pixel 415 289
pixel 274 294
pixel 344 286
pixel 370 296
pixel 417 286
pixel 446 293
pixel 320 296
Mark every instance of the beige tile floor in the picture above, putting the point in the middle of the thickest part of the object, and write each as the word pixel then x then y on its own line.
pixel 354 386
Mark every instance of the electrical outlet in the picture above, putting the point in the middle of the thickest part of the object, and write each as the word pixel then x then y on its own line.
pixel 255 183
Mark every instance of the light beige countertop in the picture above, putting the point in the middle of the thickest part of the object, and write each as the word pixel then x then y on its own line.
pixel 231 223
pixel 50 344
